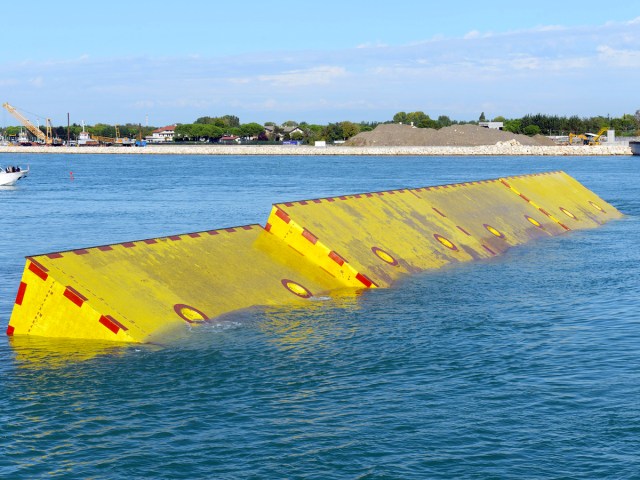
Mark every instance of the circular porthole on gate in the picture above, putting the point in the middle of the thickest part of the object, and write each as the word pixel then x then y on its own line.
pixel 384 256
pixel 493 231
pixel 534 222
pixel 568 213
pixel 596 206
pixel 190 314
pixel 445 241
pixel 296 288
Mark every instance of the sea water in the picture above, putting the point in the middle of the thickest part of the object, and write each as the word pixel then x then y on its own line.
pixel 524 366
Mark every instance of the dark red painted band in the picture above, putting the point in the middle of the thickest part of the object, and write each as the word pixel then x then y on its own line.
pixel 21 290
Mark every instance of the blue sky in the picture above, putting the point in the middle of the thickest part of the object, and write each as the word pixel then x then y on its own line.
pixel 319 62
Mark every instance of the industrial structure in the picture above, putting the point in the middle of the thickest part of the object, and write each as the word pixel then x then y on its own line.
pixel 45 138
pixel 145 290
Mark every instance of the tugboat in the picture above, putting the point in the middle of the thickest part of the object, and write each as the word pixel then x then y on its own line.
pixel 10 175
pixel 85 140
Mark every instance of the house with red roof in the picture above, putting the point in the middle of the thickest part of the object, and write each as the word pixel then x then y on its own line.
pixel 162 134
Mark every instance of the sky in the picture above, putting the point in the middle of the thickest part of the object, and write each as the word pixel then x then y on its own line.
pixel 161 63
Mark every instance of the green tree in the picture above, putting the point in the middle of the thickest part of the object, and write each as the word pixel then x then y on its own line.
pixel 400 117
pixel 444 121
pixel 532 130
pixel 251 129
pixel 419 119
pixel 513 126
pixel 482 118
pixel 298 136
pixel 349 129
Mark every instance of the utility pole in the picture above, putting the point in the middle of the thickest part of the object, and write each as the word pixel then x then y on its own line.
pixel 68 130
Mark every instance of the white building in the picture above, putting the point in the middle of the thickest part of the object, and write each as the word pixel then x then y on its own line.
pixel 493 125
pixel 162 135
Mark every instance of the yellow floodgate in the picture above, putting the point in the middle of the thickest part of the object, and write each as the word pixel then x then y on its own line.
pixel 141 290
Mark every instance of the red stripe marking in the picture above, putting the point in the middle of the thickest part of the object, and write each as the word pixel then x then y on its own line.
pixel 38 270
pixel 128 244
pixel 54 255
pixel 194 235
pixel 267 227
pixel 463 230
pixel 175 238
pixel 113 320
pixel 309 236
pixel 392 192
pixel 342 198
pixel 489 250
pixel 150 241
pixel 21 290
pixel 81 251
pixel 105 248
pixel 505 183
pixel 380 194
pixel 525 198
pixel 10 330
pixel 302 202
pixel 247 227
pixel 213 232
pixel 336 258
pixel 369 195
pixel 109 324
pixel 545 212
pixel 564 226
pixel 439 212
pixel 364 280
pixel 74 296
pixel 288 204
pixel 331 199
pixel 317 200
pixel 282 216
pixel 230 230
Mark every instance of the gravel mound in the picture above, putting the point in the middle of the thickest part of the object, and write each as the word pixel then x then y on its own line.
pixel 389 135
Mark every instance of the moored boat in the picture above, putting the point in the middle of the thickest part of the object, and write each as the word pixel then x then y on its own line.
pixel 10 175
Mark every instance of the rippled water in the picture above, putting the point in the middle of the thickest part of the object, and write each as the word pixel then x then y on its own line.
pixel 525 366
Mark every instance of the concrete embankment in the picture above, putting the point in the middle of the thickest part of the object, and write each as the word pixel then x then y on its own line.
pixel 506 148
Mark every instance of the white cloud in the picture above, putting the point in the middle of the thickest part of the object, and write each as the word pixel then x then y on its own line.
pixel 545 68
pixel 619 58
pixel 299 78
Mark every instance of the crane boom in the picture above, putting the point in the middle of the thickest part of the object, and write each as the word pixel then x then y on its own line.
pixel 47 139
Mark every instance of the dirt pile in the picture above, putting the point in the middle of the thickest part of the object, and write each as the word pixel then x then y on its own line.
pixel 455 136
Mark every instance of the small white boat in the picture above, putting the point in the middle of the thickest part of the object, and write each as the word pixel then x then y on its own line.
pixel 10 175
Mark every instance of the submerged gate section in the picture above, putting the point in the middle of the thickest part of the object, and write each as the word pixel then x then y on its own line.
pixel 141 290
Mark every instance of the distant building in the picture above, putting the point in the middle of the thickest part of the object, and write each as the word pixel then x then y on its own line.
pixel 493 125
pixel 270 130
pixel 230 139
pixel 162 135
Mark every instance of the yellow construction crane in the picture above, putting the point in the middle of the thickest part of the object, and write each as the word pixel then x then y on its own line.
pixel 46 138
pixel 588 138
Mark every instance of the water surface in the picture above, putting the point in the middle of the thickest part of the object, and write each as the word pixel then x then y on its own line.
pixel 524 366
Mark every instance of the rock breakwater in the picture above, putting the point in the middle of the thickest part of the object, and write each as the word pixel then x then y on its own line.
pixel 503 148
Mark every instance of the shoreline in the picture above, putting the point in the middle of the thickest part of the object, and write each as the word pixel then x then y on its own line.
pixel 252 150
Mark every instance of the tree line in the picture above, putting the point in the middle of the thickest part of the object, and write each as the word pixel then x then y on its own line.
pixel 212 129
